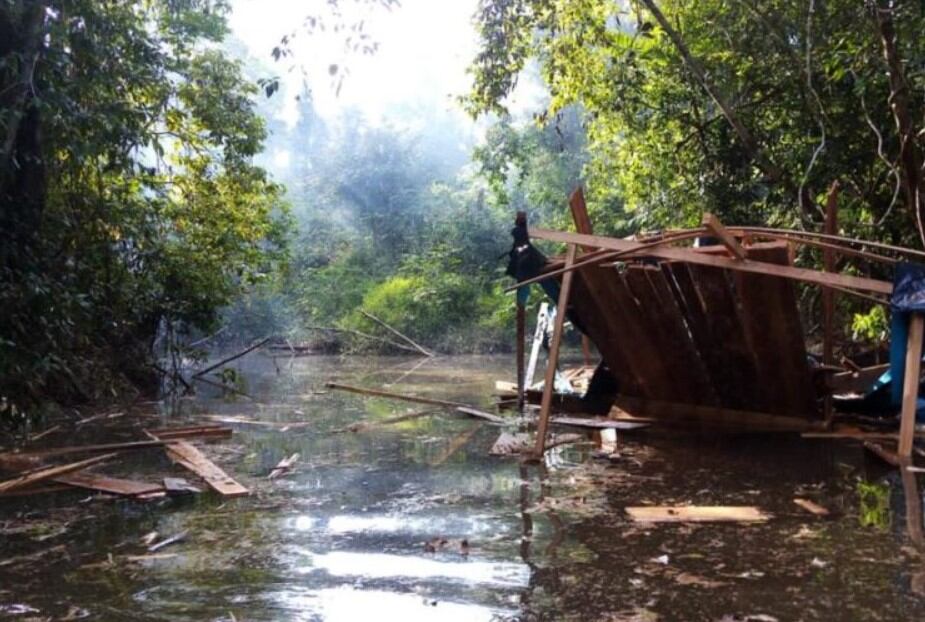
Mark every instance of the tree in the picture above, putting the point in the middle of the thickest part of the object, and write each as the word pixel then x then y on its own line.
pixel 128 194
pixel 747 109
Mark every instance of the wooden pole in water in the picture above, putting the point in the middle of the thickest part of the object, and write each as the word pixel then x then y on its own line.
pixel 521 337
pixel 828 295
pixel 553 361
pixel 911 385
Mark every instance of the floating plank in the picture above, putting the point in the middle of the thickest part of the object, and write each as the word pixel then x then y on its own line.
pixel 186 455
pixel 283 466
pixel 707 259
pixel 598 424
pixel 42 474
pixel 110 485
pixel 481 414
pixel 811 506
pixel 194 431
pixel 697 514
pixel 394 396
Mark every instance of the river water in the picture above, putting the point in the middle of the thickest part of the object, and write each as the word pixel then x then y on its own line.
pixel 416 521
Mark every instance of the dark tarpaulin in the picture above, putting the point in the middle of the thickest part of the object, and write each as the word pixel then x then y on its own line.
pixel 908 288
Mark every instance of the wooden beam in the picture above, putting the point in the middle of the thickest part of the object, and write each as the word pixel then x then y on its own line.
pixel 696 514
pixel 45 473
pixel 692 256
pixel 855 381
pixel 911 384
pixel 716 227
pixel 394 396
pixel 553 359
pixel 726 418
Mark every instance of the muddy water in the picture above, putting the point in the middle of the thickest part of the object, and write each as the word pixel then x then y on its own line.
pixel 370 524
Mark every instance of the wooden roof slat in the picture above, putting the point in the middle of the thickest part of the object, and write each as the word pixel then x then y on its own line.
pixel 747 265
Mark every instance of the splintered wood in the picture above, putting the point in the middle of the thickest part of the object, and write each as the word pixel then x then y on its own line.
pixel 697 514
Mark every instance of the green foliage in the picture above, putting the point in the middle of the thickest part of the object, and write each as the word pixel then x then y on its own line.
pixel 811 87
pixel 872 327
pixel 149 208
pixel 874 502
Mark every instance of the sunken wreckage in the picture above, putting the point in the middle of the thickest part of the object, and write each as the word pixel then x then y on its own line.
pixel 711 337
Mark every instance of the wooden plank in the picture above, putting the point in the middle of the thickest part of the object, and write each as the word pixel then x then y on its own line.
pixel 110 485
pixel 697 514
pixel 601 319
pixel 710 350
pixel 80 449
pixel 194 431
pixel 481 414
pixel 553 360
pixel 394 396
pixel 46 473
pixel 911 385
pixel 733 366
pixel 597 424
pixel 682 348
pixel 633 336
pixel 772 326
pixel 747 265
pixel 716 227
pixel 728 418
pixel 186 455
pixel 811 506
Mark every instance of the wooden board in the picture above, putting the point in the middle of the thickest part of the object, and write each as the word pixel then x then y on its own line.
pixel 708 259
pixel 46 473
pixel 598 424
pixel 697 514
pixel 772 325
pixel 186 455
pixel 111 485
pixel 733 366
pixel 601 327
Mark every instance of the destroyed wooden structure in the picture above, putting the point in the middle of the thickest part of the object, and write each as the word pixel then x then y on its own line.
pixel 711 336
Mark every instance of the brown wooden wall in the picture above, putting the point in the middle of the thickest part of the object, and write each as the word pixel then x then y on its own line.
pixel 700 335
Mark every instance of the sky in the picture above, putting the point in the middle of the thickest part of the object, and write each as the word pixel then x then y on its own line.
pixel 425 48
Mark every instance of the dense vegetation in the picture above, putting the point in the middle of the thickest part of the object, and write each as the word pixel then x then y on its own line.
pixel 133 217
pixel 128 196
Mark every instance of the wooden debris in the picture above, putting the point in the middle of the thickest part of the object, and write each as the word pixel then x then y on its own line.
pixel 284 466
pixel 481 414
pixel 194 431
pixel 110 485
pixel 696 514
pixel 716 227
pixel 395 396
pixel 598 424
pixel 811 507
pixel 817 277
pixel 167 542
pixel 509 444
pixel 362 426
pixel 188 456
pixel 45 433
pixel 178 485
pixel 46 473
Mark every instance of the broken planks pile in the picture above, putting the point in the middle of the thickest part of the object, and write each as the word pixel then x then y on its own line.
pixel 34 474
